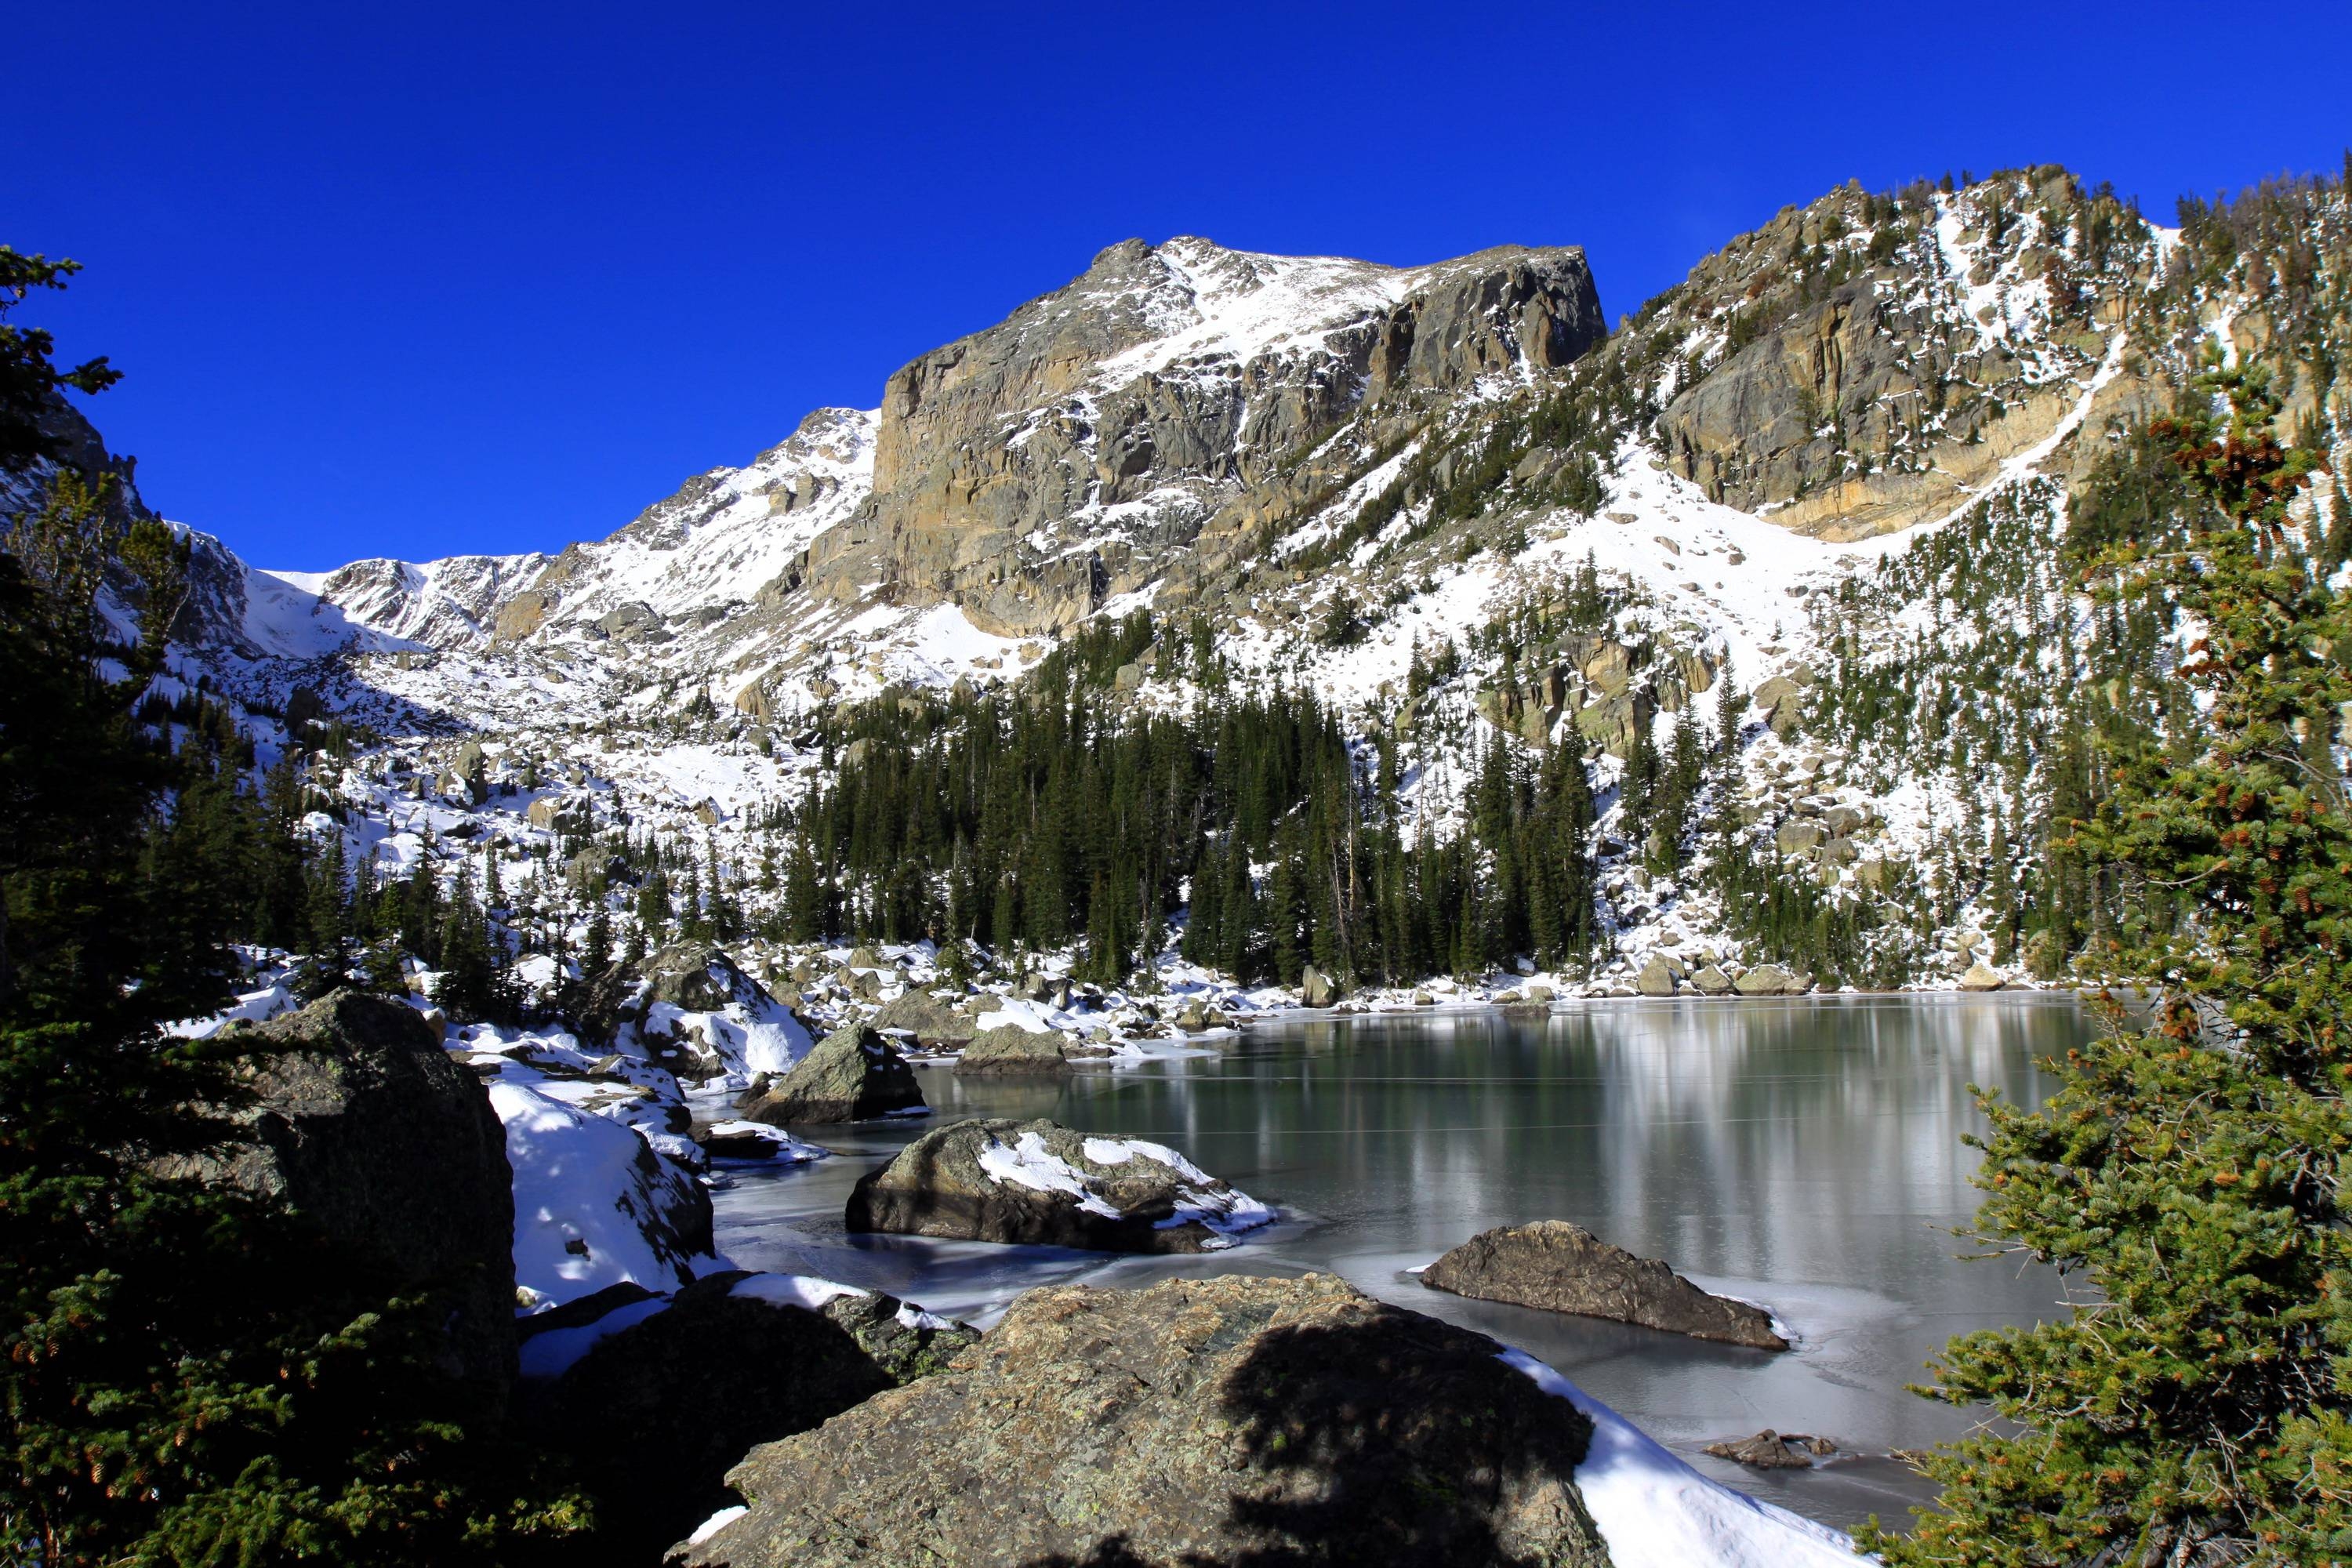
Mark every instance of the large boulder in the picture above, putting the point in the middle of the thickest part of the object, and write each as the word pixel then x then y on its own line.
pixel 1764 980
pixel 1014 1049
pixel 594 1204
pixel 1563 1268
pixel 698 976
pixel 1317 989
pixel 1229 1420
pixel 706 1016
pixel 1982 976
pixel 361 1123
pixel 652 1413
pixel 853 1075
pixel 931 1021
pixel 1041 1182
pixel 1009 1047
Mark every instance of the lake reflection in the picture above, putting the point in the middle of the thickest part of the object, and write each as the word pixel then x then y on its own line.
pixel 1805 1154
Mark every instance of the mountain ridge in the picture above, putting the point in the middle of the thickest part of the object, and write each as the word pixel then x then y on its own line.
pixel 1439 500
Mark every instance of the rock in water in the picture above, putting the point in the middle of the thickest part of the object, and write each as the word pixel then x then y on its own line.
pixel 363 1122
pixel 1563 1268
pixel 854 1074
pixel 1228 1420
pixel 1770 1450
pixel 1009 1047
pixel 1317 989
pixel 653 1414
pixel 1039 1182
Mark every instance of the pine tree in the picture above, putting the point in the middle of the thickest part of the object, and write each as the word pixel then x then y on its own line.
pixel 187 1373
pixel 2197 1406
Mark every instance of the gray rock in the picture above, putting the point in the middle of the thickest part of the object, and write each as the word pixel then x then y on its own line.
pixel 1563 1268
pixel 365 1124
pixel 1770 1450
pixel 700 977
pixel 1041 1182
pixel 851 1075
pixel 1655 979
pixel 1201 1421
pixel 929 1019
pixel 1010 1048
pixel 1797 835
pixel 1711 981
pixel 1841 820
pixel 1764 980
pixel 1317 989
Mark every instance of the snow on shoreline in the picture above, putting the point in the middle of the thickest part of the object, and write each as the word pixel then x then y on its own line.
pixel 1655 1512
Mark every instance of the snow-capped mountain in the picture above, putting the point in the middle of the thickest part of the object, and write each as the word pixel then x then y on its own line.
pixel 1370 482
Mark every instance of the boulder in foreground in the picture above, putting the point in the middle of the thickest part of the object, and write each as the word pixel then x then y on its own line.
pixel 362 1121
pixel 664 1398
pixel 1230 1420
pixel 852 1075
pixel 1043 1184
pixel 1563 1268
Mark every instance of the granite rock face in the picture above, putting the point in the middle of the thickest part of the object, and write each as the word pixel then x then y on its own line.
pixel 1144 384
pixel 852 1075
pixel 361 1123
pixel 1043 1184
pixel 1859 395
pixel 1230 1420
pixel 1563 1268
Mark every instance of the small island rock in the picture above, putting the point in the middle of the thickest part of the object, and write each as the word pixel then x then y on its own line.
pixel 1563 1268
pixel 1043 1184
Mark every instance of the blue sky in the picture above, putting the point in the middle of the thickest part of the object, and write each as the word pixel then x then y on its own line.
pixel 421 280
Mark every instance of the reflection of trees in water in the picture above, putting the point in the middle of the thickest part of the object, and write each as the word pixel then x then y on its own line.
pixel 1783 1114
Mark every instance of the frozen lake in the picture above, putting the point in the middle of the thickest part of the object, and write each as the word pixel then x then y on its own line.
pixel 1804 1153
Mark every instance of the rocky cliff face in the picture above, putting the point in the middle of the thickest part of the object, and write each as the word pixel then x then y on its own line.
pixel 1861 363
pixel 1165 402
pixel 1063 455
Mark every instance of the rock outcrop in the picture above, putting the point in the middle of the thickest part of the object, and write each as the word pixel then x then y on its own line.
pixel 1563 1268
pixel 652 1415
pixel 1041 1182
pixel 1229 1420
pixel 853 1075
pixel 1144 385
pixel 366 1126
